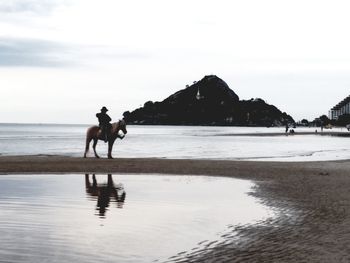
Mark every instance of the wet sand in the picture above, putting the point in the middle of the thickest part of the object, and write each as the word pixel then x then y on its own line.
pixel 312 198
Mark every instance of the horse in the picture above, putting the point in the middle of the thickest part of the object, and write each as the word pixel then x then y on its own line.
pixel 94 133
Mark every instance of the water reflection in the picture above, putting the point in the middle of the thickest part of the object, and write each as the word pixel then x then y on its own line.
pixel 104 193
pixel 165 215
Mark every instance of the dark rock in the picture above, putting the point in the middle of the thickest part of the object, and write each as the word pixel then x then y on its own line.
pixel 209 101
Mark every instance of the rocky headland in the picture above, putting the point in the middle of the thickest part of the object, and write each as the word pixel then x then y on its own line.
pixel 209 101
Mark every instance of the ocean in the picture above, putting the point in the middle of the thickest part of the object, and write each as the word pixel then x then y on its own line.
pixel 193 142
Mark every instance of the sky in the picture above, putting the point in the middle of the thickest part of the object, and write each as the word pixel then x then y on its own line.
pixel 62 60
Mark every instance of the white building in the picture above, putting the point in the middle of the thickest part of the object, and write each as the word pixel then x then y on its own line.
pixel 341 108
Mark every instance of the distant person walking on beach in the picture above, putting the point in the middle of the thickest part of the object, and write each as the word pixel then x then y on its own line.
pixel 104 123
pixel 287 127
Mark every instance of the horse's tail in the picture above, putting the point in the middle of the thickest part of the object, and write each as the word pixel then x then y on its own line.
pixel 87 145
pixel 87 141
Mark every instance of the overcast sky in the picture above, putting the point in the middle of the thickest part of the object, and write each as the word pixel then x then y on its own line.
pixel 61 60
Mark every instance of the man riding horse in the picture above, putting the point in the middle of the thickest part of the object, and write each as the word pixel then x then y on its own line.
pixel 106 131
pixel 104 123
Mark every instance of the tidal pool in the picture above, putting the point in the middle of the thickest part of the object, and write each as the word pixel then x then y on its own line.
pixel 118 218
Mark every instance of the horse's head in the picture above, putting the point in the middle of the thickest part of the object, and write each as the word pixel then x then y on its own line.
pixel 122 126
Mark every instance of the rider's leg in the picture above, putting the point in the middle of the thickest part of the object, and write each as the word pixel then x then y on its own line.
pixel 104 133
pixel 107 133
pixel 108 129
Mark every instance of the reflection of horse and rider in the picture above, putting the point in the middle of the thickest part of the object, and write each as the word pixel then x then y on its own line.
pixel 104 192
pixel 106 132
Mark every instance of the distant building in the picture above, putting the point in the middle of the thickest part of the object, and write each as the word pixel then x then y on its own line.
pixel 341 108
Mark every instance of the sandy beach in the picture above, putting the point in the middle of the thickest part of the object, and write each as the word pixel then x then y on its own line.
pixel 312 198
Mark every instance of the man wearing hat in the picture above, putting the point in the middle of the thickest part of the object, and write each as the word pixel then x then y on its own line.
pixel 104 124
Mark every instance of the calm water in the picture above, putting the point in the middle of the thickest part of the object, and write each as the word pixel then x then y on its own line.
pixel 176 142
pixel 118 218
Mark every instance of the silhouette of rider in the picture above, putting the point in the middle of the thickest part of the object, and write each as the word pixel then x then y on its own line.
pixel 104 124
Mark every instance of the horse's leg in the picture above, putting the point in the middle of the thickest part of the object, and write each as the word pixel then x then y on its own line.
pixel 94 181
pixel 110 147
pixel 88 140
pixel 87 181
pixel 110 180
pixel 94 147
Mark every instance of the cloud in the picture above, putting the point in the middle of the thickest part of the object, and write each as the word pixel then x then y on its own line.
pixel 32 52
pixel 24 52
pixel 30 6
pixel 114 53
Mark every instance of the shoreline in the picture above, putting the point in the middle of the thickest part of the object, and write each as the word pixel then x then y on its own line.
pixel 230 168
pixel 312 200
pixel 266 134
